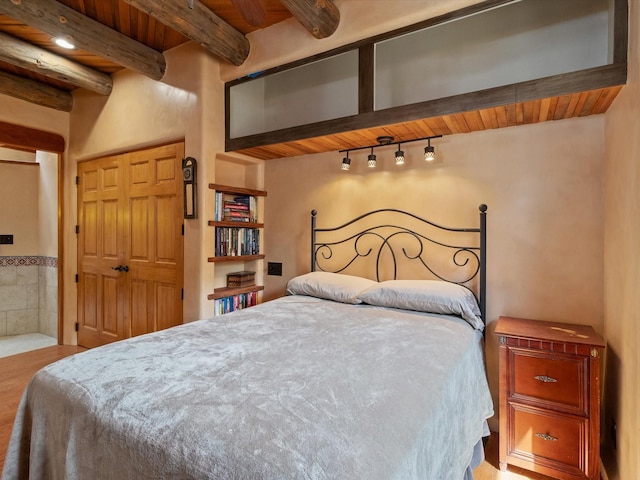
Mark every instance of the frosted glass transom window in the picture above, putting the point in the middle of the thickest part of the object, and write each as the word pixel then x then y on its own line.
pixel 318 91
pixel 517 42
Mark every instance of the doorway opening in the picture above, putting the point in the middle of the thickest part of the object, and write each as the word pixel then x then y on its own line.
pixel 30 240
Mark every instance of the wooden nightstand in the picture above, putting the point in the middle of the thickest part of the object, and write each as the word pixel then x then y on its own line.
pixel 550 397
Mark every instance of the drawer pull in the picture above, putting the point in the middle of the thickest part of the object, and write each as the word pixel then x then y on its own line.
pixel 545 379
pixel 546 437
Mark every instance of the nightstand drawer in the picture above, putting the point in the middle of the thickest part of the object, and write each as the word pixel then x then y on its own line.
pixel 553 440
pixel 550 379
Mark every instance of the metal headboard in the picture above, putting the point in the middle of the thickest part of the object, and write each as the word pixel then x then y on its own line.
pixel 461 255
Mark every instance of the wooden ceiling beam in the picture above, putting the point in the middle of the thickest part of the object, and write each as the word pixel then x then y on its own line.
pixel 39 60
pixel 35 92
pixel 57 19
pixel 319 17
pixel 198 23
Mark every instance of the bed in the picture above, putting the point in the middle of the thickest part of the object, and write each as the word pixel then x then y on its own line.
pixel 346 377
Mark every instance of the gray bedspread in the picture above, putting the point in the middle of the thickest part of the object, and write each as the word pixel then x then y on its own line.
pixel 296 388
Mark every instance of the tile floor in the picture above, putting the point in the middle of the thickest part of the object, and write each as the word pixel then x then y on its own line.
pixel 14 344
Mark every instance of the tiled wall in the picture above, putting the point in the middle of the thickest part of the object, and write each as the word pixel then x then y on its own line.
pixel 28 295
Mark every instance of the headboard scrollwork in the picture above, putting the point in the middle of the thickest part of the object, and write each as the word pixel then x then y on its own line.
pixel 390 237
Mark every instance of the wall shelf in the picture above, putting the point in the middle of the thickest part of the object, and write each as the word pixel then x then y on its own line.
pixel 230 291
pixel 237 190
pixel 235 258
pixel 222 223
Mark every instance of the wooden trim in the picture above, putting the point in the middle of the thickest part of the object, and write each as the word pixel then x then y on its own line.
pixel 16 135
pixel 566 83
pixel 620 31
pixel 366 65
pixel 20 162
pixel 61 275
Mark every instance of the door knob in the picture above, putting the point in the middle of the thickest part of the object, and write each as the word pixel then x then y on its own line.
pixel 121 268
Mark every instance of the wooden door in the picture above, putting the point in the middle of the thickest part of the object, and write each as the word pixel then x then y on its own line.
pixel 155 241
pixel 130 244
pixel 101 318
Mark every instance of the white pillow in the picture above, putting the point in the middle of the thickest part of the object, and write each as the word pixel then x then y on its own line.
pixel 330 286
pixel 432 296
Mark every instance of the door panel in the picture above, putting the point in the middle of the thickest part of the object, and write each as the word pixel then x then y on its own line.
pixel 130 214
pixel 110 291
pixel 90 310
pixel 167 211
pixel 139 241
pixel 108 229
pixel 166 303
pixel 156 242
pixel 100 320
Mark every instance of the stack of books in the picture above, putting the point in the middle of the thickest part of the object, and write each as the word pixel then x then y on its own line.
pixel 245 278
pixel 239 208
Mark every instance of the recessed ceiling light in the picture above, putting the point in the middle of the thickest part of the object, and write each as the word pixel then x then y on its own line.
pixel 64 42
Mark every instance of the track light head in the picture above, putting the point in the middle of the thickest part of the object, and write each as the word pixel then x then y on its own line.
pixel 371 161
pixel 429 152
pixel 399 156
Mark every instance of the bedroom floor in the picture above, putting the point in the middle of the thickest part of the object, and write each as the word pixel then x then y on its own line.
pixel 18 369
pixel 489 469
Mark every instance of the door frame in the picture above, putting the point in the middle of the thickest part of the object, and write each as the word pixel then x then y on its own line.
pixel 18 136
pixel 180 140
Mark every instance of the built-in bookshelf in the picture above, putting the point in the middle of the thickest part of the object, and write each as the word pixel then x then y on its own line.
pixel 224 302
pixel 237 239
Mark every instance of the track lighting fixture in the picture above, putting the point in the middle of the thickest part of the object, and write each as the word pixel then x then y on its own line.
pixel 429 151
pixel 399 156
pixel 371 162
pixel 346 162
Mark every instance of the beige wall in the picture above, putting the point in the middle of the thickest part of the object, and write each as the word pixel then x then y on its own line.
pixel 543 186
pixel 11 154
pixel 19 196
pixel 47 208
pixel 622 269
